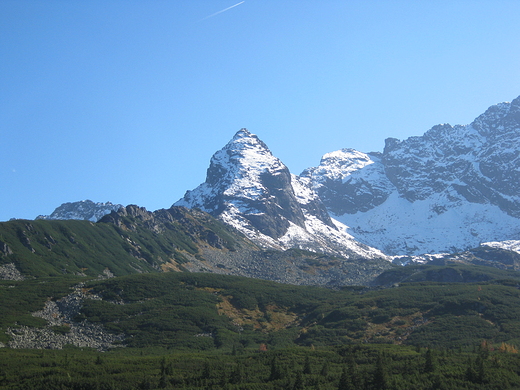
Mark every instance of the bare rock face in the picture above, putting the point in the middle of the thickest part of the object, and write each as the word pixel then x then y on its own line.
pixel 349 181
pixel 5 249
pixel 480 161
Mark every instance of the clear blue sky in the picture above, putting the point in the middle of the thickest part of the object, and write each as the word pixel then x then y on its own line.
pixel 126 101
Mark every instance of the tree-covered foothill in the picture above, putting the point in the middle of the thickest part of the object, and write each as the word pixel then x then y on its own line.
pixel 166 309
pixel 199 311
pixel 207 331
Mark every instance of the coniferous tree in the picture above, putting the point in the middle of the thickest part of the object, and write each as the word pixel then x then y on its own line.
pixel 163 382
pixel 276 371
pixel 324 372
pixel 471 374
pixel 307 368
pixel 298 383
pixel 380 378
pixel 206 372
pixel 237 376
pixel 480 370
pixel 429 364
pixel 345 382
pixel 353 373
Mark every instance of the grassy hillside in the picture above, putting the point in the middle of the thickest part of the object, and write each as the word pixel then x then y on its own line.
pixel 200 331
pixel 123 245
pixel 51 248
pixel 200 311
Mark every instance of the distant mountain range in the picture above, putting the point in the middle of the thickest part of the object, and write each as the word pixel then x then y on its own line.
pixel 447 191
pixel 84 209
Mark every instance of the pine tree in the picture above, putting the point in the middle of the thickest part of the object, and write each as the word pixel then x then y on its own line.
pixel 325 369
pixel 276 371
pixel 163 382
pixel 481 369
pixel 345 380
pixel 307 368
pixel 429 364
pixel 206 372
pixel 237 376
pixel 380 378
pixel 353 373
pixel 471 374
pixel 298 383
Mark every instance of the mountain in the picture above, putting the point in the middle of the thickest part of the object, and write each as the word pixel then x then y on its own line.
pixel 252 190
pixel 135 240
pixel 445 191
pixel 85 209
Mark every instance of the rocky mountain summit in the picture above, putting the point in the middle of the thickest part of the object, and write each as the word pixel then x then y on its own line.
pixel 85 209
pixel 445 191
pixel 252 190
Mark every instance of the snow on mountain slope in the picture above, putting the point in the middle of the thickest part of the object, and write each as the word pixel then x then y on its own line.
pixel 510 245
pixel 83 210
pixel 250 189
pixel 348 181
pixel 401 227
pixel 447 190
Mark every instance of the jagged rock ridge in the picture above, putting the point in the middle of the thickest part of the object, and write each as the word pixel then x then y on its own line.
pixel 446 191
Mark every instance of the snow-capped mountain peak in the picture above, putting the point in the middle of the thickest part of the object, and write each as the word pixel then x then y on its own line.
pixel 239 165
pixel 252 190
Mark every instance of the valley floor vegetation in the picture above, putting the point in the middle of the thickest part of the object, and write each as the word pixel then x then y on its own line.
pixel 327 368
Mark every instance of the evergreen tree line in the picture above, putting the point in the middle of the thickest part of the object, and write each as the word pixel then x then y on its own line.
pixel 356 367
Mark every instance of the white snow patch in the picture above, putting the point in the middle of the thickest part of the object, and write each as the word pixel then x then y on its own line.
pixel 510 245
pixel 432 225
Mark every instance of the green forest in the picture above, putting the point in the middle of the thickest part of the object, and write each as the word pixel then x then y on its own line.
pixel 358 366
pixel 207 331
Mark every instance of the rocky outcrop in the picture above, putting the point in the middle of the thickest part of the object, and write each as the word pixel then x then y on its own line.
pixel 62 329
pixel 5 250
pixel 195 224
pixel 10 272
